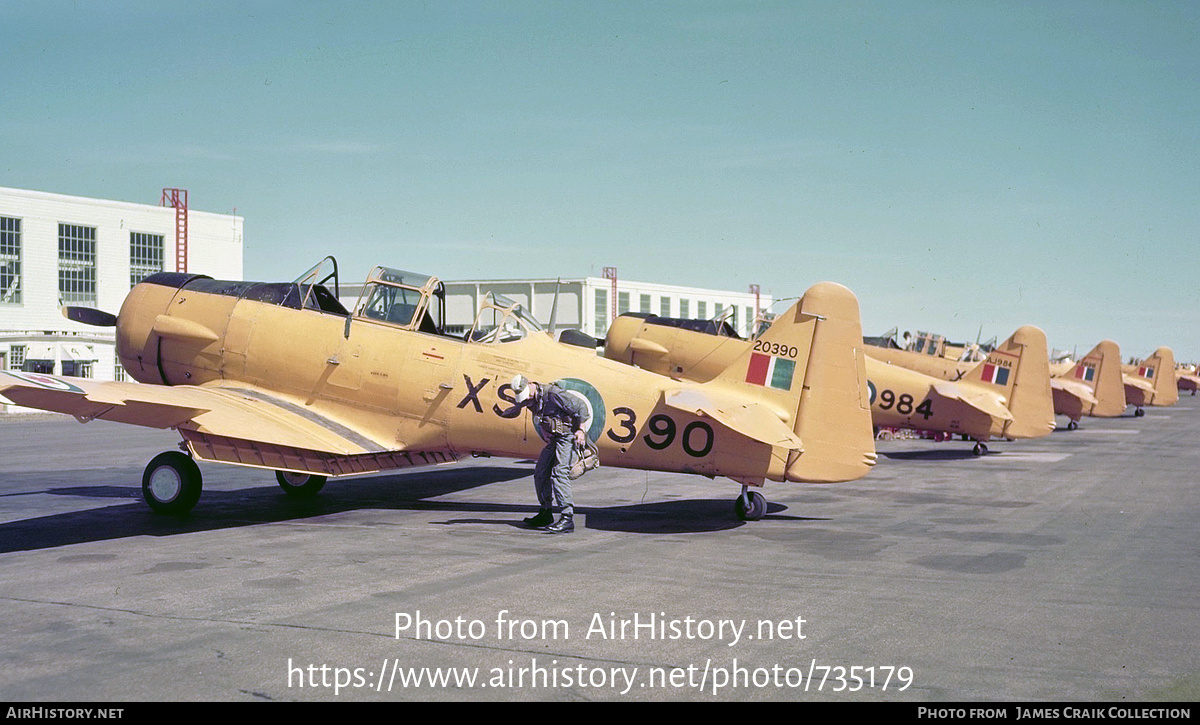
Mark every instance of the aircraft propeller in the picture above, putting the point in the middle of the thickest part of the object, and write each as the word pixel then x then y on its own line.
pixel 90 316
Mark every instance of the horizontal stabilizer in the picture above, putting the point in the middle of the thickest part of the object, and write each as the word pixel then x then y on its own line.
pixel 980 400
pixel 752 420
pixel 1136 382
pixel 1082 392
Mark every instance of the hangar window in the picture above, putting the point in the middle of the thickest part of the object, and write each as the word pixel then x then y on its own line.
pixel 16 357
pixel 664 307
pixel 702 310
pixel 76 264
pixel 622 303
pixel 683 308
pixel 145 256
pixel 601 312
pixel 10 260
pixel 645 304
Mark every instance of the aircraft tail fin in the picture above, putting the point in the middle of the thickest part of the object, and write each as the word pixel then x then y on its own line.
pixel 1100 369
pixel 1159 371
pixel 810 367
pixel 1019 369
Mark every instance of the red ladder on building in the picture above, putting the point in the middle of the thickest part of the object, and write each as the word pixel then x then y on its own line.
pixel 178 198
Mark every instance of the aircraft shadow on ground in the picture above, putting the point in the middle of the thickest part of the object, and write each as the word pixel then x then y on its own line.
pixel 230 509
pixel 931 455
pixel 674 517
pixel 222 509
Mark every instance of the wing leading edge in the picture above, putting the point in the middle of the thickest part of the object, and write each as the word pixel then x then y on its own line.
pixel 240 425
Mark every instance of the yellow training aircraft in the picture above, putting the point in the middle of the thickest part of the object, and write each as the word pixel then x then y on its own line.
pixel 1186 378
pixel 1152 381
pixel 1005 396
pixel 1091 386
pixel 281 376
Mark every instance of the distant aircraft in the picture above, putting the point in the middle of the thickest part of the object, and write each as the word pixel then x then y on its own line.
pixel 1186 378
pixel 1152 381
pixel 1091 386
pixel 281 376
pixel 1006 396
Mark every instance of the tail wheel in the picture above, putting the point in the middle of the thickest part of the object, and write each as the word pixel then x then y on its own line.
pixel 171 483
pixel 750 506
pixel 300 485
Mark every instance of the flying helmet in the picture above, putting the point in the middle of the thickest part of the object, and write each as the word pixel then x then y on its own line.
pixel 522 387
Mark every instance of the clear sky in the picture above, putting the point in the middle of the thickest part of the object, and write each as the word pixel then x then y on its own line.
pixel 963 166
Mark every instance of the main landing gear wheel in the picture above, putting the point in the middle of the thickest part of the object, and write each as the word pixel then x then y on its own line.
pixel 1073 425
pixel 171 483
pixel 1138 413
pixel 750 506
pixel 980 449
pixel 300 485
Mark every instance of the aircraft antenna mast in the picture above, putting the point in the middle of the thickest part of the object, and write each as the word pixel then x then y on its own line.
pixel 754 290
pixel 178 198
pixel 611 273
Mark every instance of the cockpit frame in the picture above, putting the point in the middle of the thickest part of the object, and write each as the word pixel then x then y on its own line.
pixel 407 300
pixel 501 320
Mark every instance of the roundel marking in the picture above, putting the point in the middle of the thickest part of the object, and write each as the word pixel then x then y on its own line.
pixel 585 391
pixel 871 390
pixel 48 382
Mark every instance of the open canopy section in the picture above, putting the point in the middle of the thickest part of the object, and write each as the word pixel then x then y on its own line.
pixel 501 320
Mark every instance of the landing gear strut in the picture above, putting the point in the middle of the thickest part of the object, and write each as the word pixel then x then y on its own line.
pixel 750 506
pixel 171 483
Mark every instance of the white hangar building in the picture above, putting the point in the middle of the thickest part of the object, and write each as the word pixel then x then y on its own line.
pixel 60 250
pixel 590 304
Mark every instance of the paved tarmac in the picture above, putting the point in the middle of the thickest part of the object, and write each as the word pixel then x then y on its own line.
pixel 1059 569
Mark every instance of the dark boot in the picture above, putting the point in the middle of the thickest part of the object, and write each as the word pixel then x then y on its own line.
pixel 564 525
pixel 542 519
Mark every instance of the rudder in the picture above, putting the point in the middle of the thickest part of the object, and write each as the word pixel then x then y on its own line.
pixel 811 367
pixel 1019 368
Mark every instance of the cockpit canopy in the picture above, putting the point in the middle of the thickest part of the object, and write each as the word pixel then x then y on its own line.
pixel 405 299
pixel 501 320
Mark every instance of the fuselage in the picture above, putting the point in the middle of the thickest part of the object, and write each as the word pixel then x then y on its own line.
pixel 410 389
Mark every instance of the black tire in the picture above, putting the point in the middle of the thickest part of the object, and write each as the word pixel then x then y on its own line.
pixel 751 510
pixel 299 485
pixel 1072 425
pixel 171 483
pixel 1138 413
pixel 980 449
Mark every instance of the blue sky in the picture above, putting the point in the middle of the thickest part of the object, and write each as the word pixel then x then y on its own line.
pixel 962 166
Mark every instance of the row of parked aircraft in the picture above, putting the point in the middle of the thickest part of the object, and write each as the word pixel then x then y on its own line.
pixel 283 376
pixel 1014 392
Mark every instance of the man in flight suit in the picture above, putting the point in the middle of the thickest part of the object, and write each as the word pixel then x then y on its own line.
pixel 561 418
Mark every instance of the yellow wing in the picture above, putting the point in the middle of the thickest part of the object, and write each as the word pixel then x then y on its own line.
pixel 232 424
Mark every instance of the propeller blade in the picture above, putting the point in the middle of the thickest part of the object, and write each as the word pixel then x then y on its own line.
pixel 90 316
